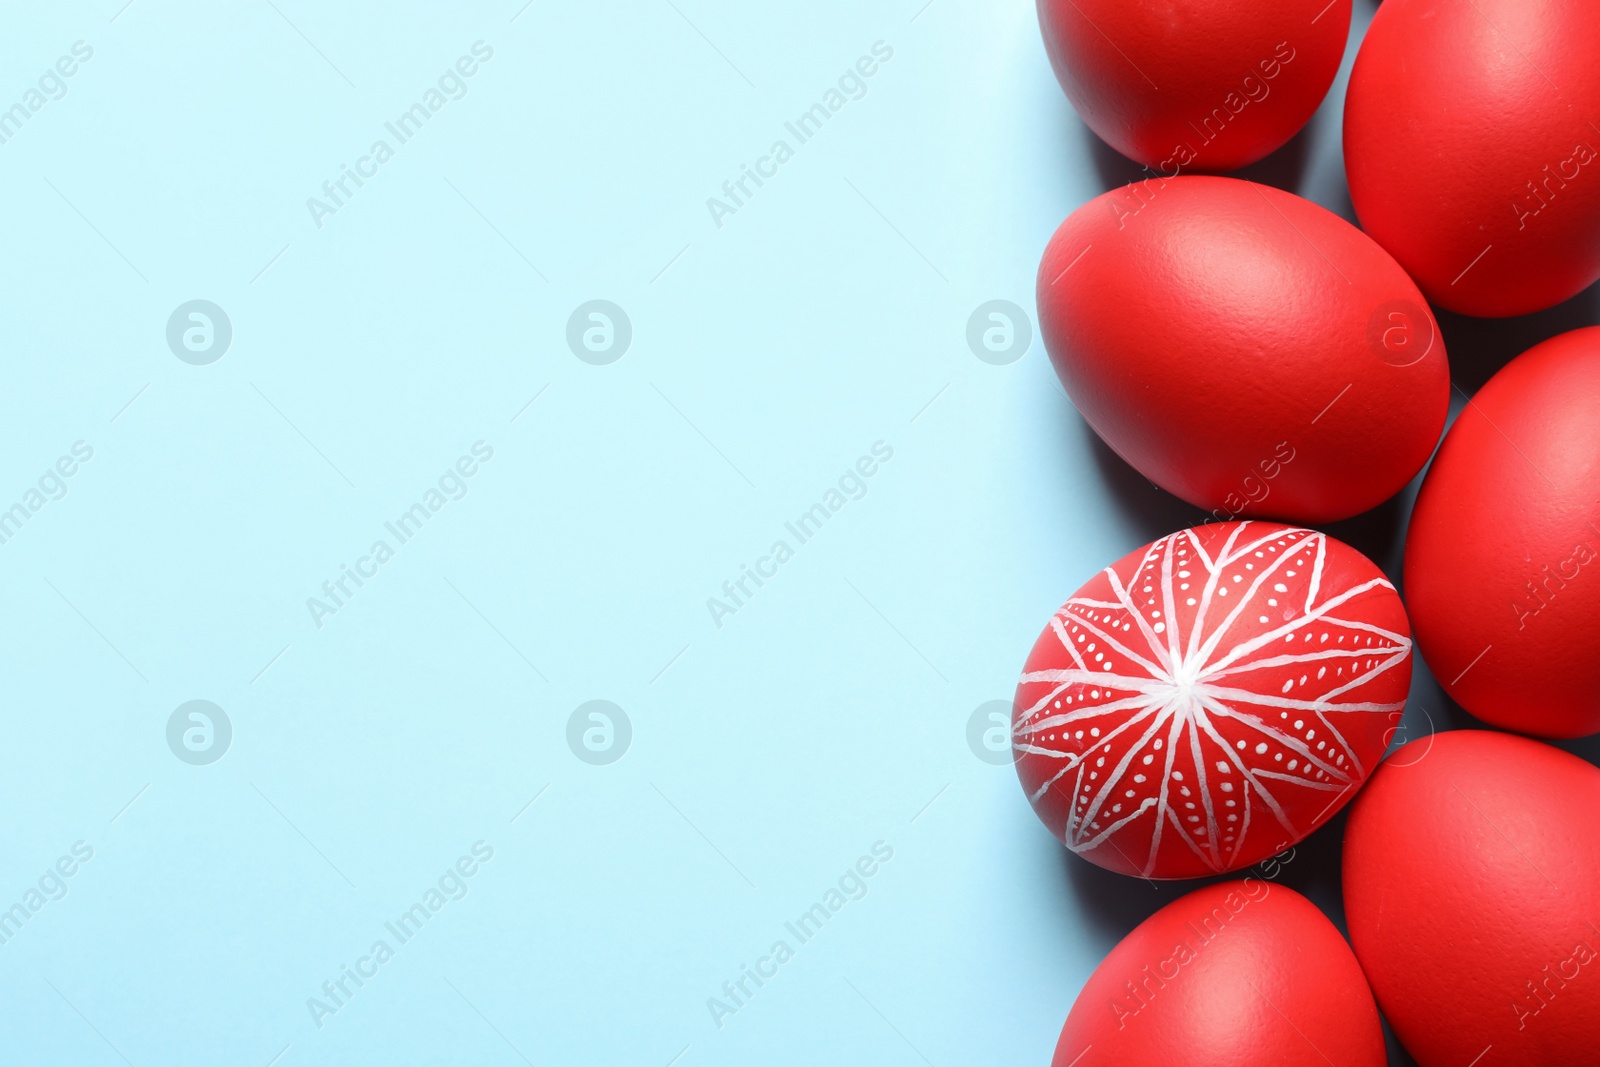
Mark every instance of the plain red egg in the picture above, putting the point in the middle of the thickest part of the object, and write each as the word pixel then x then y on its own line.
pixel 1472 891
pixel 1502 565
pixel 1195 85
pixel 1210 699
pixel 1472 150
pixel 1243 348
pixel 1247 974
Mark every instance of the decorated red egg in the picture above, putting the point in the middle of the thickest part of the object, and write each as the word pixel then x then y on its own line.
pixel 1247 974
pixel 1502 566
pixel 1195 84
pixel 1472 891
pixel 1210 699
pixel 1243 348
pixel 1472 152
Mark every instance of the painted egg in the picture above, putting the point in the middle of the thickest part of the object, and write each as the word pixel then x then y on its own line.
pixel 1210 699
pixel 1195 84
pixel 1472 152
pixel 1243 348
pixel 1502 565
pixel 1472 892
pixel 1247 974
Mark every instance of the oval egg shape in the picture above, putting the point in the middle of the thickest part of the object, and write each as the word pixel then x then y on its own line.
pixel 1245 973
pixel 1243 348
pixel 1195 85
pixel 1472 893
pixel 1472 152
pixel 1210 699
pixel 1502 563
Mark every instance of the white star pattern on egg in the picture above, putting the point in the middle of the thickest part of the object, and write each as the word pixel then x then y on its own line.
pixel 1203 693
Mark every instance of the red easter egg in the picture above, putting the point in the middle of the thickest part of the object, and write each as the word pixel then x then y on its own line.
pixel 1501 570
pixel 1472 891
pixel 1243 348
pixel 1470 146
pixel 1195 84
pixel 1247 974
pixel 1210 699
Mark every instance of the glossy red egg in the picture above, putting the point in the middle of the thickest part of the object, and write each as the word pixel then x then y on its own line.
pixel 1210 699
pixel 1472 891
pixel 1243 348
pixel 1247 974
pixel 1472 150
pixel 1502 566
pixel 1187 85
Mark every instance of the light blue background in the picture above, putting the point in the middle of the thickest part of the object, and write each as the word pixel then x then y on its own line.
pixel 768 354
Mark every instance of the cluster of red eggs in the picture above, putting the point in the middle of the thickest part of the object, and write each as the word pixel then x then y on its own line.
pixel 1214 697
